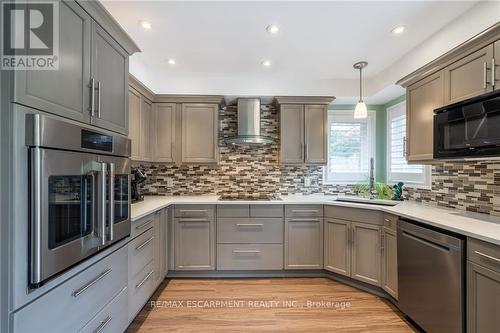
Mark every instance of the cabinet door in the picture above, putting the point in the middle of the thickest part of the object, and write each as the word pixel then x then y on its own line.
pixel 469 76
pixel 316 135
pixel 292 133
pixel 194 241
pixel 163 138
pixel 110 70
pixel 421 100
pixel 145 137
pixel 389 276
pixel 496 73
pixel 65 91
pixel 159 246
pixel 483 299
pixel 304 243
pixel 134 133
pixel 199 133
pixel 366 250
pixel 337 246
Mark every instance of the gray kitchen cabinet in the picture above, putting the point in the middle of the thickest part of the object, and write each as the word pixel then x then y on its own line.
pixel 422 98
pixel 145 133
pixel 366 250
pixel 66 91
pixel 496 54
pixel 304 243
pixel 134 130
pixel 109 68
pixel 163 137
pixel 292 133
pixel 469 76
pixel 316 134
pixel 199 133
pixel 389 277
pixel 160 245
pixel 483 286
pixel 194 238
pixel 337 246
pixel 303 134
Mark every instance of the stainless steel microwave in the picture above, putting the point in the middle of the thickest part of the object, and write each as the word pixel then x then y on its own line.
pixel 468 129
pixel 79 193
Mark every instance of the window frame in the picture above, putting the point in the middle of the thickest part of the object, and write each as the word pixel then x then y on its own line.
pixel 371 127
pixel 427 175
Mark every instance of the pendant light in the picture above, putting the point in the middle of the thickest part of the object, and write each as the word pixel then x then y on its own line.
pixel 360 111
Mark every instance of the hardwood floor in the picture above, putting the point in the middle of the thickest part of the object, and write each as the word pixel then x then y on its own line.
pixel 266 305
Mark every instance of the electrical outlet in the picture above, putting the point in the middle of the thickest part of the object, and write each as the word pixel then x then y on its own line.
pixel 307 181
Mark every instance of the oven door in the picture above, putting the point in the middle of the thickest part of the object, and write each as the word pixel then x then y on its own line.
pixel 67 210
pixel 117 198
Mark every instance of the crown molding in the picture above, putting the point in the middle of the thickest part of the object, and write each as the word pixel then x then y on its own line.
pixel 168 98
pixel 304 99
pixel 140 87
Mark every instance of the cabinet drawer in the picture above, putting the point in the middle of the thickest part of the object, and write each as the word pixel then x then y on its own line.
pixel 483 253
pixel 141 225
pixel 249 257
pixel 390 221
pixel 247 230
pixel 233 211
pixel 355 214
pixel 298 211
pixel 195 211
pixel 140 252
pixel 266 210
pixel 68 307
pixel 113 318
pixel 141 287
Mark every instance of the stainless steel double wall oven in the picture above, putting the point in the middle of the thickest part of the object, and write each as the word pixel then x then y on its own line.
pixel 79 193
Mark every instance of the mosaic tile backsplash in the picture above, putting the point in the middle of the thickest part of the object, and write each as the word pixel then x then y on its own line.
pixel 256 171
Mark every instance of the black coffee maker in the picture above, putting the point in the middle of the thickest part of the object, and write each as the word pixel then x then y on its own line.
pixel 138 177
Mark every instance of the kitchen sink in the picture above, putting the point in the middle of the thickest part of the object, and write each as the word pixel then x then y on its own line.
pixel 369 201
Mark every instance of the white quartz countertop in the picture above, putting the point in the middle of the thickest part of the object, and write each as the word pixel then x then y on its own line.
pixel 479 226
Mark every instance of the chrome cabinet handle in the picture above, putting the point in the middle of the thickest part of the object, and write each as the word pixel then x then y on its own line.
pixel 85 287
pixel 111 201
pixel 353 237
pixel 382 245
pixel 192 220
pixel 103 213
pixel 143 245
pixel 142 226
pixel 304 211
pixel 144 280
pixel 303 220
pixel 493 70
pixel 196 211
pixel 249 224
pixel 487 256
pixel 485 75
pixel 99 99
pixel 103 324
pixel 92 96
pixel 246 251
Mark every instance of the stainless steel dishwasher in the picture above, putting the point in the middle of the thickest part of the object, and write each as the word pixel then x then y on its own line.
pixel 431 277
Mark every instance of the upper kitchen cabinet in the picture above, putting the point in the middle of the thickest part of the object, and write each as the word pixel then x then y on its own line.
pixel 421 100
pixel 93 52
pixel 66 91
pixel 469 76
pixel 134 130
pixel 199 133
pixel 496 65
pixel 303 126
pixel 163 128
pixel 109 67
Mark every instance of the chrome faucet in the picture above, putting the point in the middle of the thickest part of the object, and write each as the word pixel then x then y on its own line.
pixel 373 191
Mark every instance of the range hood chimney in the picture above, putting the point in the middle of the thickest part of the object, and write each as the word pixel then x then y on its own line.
pixel 248 123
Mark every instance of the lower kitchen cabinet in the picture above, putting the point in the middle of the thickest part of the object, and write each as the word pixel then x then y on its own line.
pixel 365 265
pixel 337 246
pixel 389 277
pixel 483 287
pixel 160 246
pixel 304 243
pixel 194 238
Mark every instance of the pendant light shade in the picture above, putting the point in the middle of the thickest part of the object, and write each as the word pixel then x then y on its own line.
pixel 360 111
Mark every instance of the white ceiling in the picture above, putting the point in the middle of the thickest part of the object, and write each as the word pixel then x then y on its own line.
pixel 219 46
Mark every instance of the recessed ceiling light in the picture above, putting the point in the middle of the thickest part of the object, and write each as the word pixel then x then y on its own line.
pixel 145 24
pixel 272 29
pixel 171 61
pixel 398 30
pixel 266 63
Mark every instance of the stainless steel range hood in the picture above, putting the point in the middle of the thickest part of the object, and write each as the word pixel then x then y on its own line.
pixel 248 123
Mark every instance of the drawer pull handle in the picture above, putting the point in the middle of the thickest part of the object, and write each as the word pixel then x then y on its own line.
pixel 246 251
pixel 194 211
pixel 387 220
pixel 144 280
pixel 103 324
pixel 192 220
pixel 99 277
pixel 304 220
pixel 249 224
pixel 487 256
pixel 143 245
pixel 142 226
pixel 305 211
